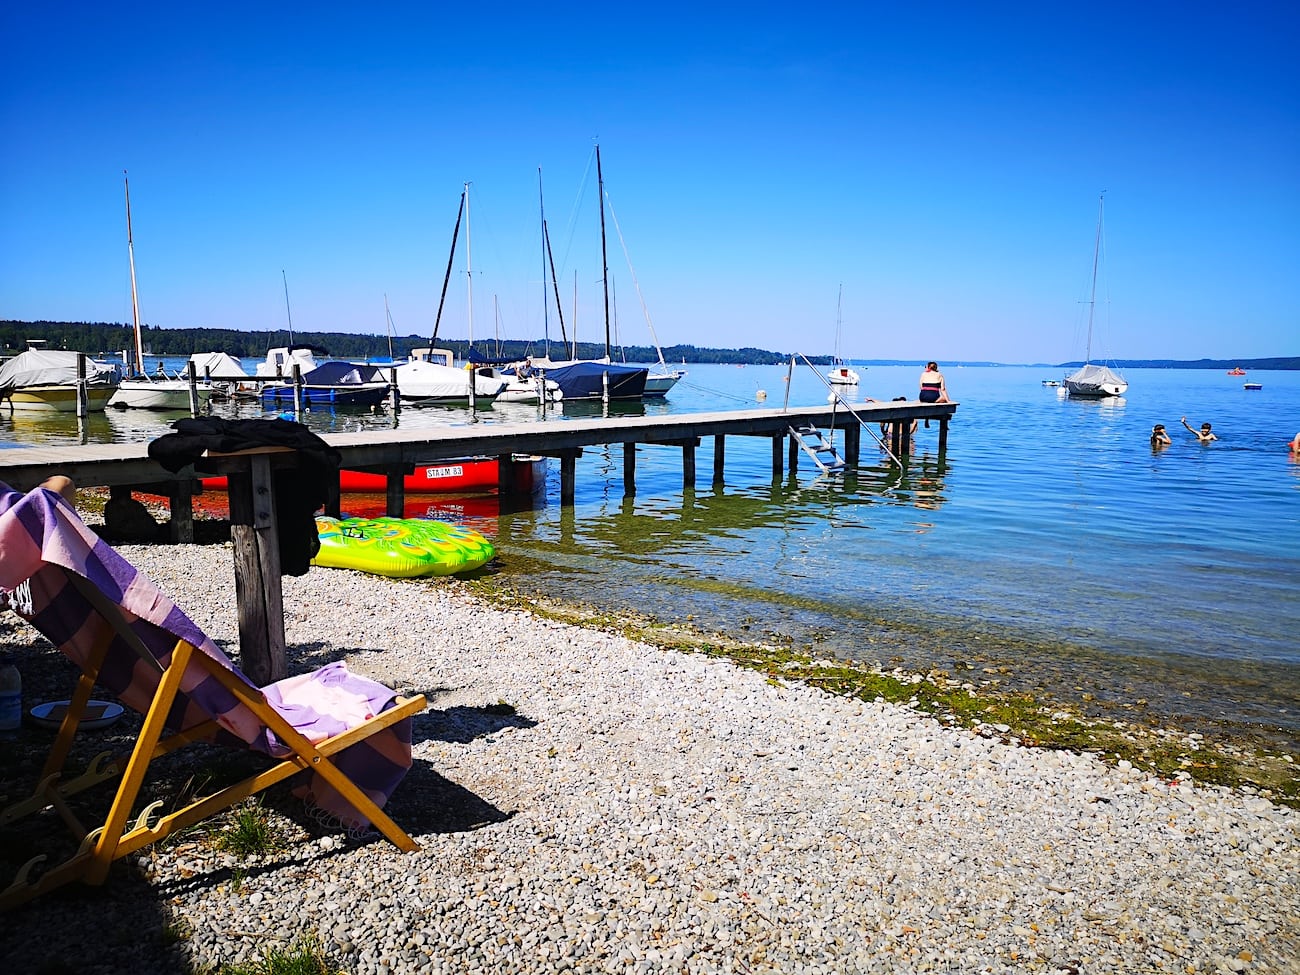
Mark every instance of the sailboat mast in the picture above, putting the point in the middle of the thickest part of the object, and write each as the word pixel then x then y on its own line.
pixel 135 304
pixel 446 278
pixel 546 306
pixel 1092 296
pixel 469 273
pixel 388 320
pixel 604 261
pixel 287 311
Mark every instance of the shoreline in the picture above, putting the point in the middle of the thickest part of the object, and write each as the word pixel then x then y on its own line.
pixel 591 802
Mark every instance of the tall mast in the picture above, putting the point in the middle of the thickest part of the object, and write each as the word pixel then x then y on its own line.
pixel 287 311
pixel 135 304
pixel 469 273
pixel 446 278
pixel 546 305
pixel 604 261
pixel 1092 297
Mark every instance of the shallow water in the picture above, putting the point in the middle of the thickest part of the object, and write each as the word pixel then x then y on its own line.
pixel 1050 545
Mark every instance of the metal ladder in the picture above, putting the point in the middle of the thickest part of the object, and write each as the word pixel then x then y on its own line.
pixel 816 445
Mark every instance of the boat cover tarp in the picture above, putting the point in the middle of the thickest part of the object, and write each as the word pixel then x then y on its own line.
pixel 217 364
pixel 53 367
pixel 1094 375
pixel 339 373
pixel 583 379
pixel 429 380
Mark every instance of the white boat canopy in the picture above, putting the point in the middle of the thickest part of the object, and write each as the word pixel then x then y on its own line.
pixel 53 367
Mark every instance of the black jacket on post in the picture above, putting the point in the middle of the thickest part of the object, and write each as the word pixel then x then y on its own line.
pixel 299 491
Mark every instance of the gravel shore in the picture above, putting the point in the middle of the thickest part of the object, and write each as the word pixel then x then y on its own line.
pixel 588 803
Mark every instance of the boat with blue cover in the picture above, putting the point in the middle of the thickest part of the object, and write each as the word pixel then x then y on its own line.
pixel 332 383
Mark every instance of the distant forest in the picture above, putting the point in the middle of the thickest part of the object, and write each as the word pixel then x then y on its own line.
pixel 110 338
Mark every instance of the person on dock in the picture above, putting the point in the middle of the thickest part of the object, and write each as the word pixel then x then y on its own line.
pixel 1160 437
pixel 1204 435
pixel 933 388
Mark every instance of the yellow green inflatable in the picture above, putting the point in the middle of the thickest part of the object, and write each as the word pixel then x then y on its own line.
pixel 400 548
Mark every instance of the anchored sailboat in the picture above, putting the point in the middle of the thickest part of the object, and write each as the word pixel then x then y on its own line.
pixel 1094 381
pixel 841 374
pixel 140 390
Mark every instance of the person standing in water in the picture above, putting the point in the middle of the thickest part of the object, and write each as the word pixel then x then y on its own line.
pixel 1160 436
pixel 1204 435
pixel 933 389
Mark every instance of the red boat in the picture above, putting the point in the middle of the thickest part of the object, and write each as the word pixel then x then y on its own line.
pixel 471 475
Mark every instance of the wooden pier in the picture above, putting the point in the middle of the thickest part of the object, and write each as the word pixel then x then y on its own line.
pixel 397 452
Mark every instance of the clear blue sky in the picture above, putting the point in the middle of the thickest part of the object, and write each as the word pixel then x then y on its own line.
pixel 942 161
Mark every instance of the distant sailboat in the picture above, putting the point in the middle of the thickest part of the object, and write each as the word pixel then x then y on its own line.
pixel 841 374
pixel 1095 381
pixel 140 390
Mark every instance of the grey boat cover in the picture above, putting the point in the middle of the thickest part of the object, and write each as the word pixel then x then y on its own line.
pixel 217 364
pixel 53 367
pixel 1094 375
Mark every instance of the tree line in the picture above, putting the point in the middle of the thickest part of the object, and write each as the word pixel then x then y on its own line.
pixel 110 339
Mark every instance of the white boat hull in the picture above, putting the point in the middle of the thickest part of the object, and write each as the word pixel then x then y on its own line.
pixel 657 384
pixel 57 399
pixel 161 394
pixel 843 376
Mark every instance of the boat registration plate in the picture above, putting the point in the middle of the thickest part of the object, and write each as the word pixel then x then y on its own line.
pixel 432 473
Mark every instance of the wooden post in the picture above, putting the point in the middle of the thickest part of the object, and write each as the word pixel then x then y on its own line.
pixel 943 434
pixel 777 467
pixel 297 388
pixel 688 465
pixel 394 393
pixel 194 387
pixel 396 500
pixel 629 469
pixel 83 394
pixel 505 475
pixel 333 498
pixel 257 571
pixel 182 509
pixel 793 451
pixel 852 444
pixel 568 477
pixel 719 457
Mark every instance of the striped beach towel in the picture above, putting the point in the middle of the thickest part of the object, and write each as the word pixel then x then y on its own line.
pixel 41 536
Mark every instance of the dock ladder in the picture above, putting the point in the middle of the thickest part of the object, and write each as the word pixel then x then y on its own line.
pixel 817 446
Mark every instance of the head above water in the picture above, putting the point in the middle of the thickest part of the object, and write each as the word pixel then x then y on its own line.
pixel 1158 428
pixel 1205 426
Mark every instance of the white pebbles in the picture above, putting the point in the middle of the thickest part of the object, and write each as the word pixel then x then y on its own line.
pixel 586 803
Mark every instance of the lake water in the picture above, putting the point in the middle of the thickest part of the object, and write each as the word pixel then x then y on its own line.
pixel 1050 547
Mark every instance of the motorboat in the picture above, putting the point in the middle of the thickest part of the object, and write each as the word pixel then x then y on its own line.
pixel 48 380
pixel 331 383
pixel 430 376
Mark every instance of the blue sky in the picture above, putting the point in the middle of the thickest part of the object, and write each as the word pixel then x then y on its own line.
pixel 941 161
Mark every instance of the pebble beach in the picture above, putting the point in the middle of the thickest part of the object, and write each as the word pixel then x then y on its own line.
pixel 588 803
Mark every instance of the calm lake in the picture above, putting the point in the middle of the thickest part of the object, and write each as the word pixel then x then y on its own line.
pixel 1049 548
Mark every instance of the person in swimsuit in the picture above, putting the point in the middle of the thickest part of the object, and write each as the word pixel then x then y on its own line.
pixel 1160 437
pixel 1204 435
pixel 1295 445
pixel 933 389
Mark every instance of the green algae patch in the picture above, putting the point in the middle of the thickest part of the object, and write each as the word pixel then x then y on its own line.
pixel 1042 720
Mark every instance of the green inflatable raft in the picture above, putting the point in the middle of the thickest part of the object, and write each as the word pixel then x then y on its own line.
pixel 400 548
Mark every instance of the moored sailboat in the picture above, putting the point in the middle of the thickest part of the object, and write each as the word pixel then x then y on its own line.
pixel 139 390
pixel 841 374
pixel 1094 381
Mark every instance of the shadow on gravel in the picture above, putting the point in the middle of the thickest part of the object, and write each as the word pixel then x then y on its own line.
pixel 462 725
pixel 428 802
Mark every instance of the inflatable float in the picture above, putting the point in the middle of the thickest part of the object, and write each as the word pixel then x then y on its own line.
pixel 400 548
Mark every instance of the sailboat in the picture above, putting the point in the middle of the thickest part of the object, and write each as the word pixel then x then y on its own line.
pixel 1094 381
pixel 140 390
pixel 430 376
pixel 841 374
pixel 593 379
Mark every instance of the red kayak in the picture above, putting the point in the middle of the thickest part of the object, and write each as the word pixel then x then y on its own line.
pixel 471 475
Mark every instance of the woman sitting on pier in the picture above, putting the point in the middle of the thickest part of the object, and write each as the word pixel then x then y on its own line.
pixel 933 389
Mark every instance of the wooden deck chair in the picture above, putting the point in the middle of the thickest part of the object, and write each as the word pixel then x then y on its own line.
pixel 351 735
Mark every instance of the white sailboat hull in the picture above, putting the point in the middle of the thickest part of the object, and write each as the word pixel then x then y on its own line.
pixel 159 394
pixel 1095 382
pixel 843 376
pixel 657 384
pixel 56 398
